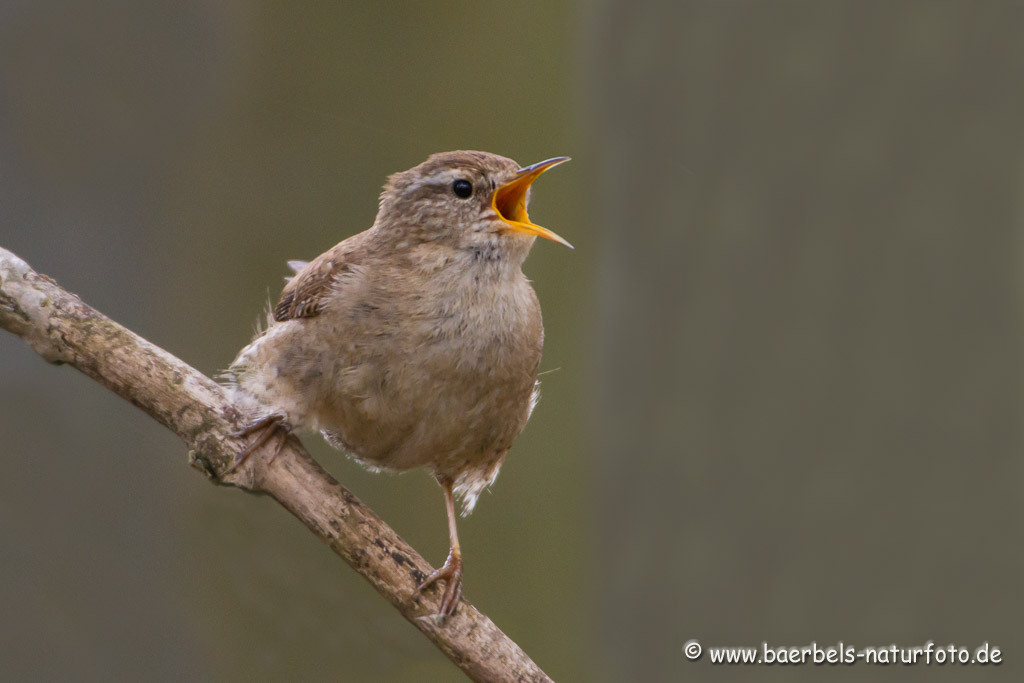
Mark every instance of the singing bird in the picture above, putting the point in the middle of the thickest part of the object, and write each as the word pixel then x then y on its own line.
pixel 415 343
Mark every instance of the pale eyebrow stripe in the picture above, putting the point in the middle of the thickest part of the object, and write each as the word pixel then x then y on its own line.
pixel 441 179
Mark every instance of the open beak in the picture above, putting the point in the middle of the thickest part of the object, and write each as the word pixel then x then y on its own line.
pixel 510 200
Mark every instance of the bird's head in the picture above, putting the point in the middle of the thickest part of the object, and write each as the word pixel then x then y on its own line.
pixel 472 201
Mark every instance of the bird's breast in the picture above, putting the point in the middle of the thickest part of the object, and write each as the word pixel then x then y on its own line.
pixel 490 322
pixel 450 373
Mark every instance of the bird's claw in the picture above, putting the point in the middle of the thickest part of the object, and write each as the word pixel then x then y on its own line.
pixel 268 425
pixel 451 574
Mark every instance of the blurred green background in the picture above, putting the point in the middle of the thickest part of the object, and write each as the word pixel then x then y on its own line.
pixel 783 388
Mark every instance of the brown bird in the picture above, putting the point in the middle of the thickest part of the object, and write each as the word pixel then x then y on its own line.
pixel 416 342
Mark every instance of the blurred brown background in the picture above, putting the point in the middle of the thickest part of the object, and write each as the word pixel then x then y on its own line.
pixel 785 391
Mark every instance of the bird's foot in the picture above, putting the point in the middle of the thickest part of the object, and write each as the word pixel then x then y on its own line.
pixel 267 427
pixel 451 574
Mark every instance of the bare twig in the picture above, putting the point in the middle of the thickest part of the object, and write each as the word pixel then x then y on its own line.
pixel 63 329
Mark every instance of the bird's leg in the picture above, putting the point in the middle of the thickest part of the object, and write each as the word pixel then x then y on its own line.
pixel 268 426
pixel 451 572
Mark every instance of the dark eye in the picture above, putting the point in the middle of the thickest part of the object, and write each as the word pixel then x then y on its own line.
pixel 462 188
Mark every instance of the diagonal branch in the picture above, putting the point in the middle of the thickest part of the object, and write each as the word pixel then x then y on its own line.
pixel 63 329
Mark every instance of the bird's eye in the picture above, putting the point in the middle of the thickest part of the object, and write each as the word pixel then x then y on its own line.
pixel 462 188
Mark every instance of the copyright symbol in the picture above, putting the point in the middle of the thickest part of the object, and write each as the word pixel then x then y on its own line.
pixel 692 650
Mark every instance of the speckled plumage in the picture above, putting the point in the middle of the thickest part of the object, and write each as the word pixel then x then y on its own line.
pixel 416 342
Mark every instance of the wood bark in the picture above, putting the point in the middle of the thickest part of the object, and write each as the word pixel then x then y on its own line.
pixel 64 330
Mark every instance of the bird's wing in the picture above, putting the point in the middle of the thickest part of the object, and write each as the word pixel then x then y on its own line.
pixel 305 294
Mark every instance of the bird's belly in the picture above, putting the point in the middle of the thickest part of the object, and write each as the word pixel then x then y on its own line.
pixel 443 411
